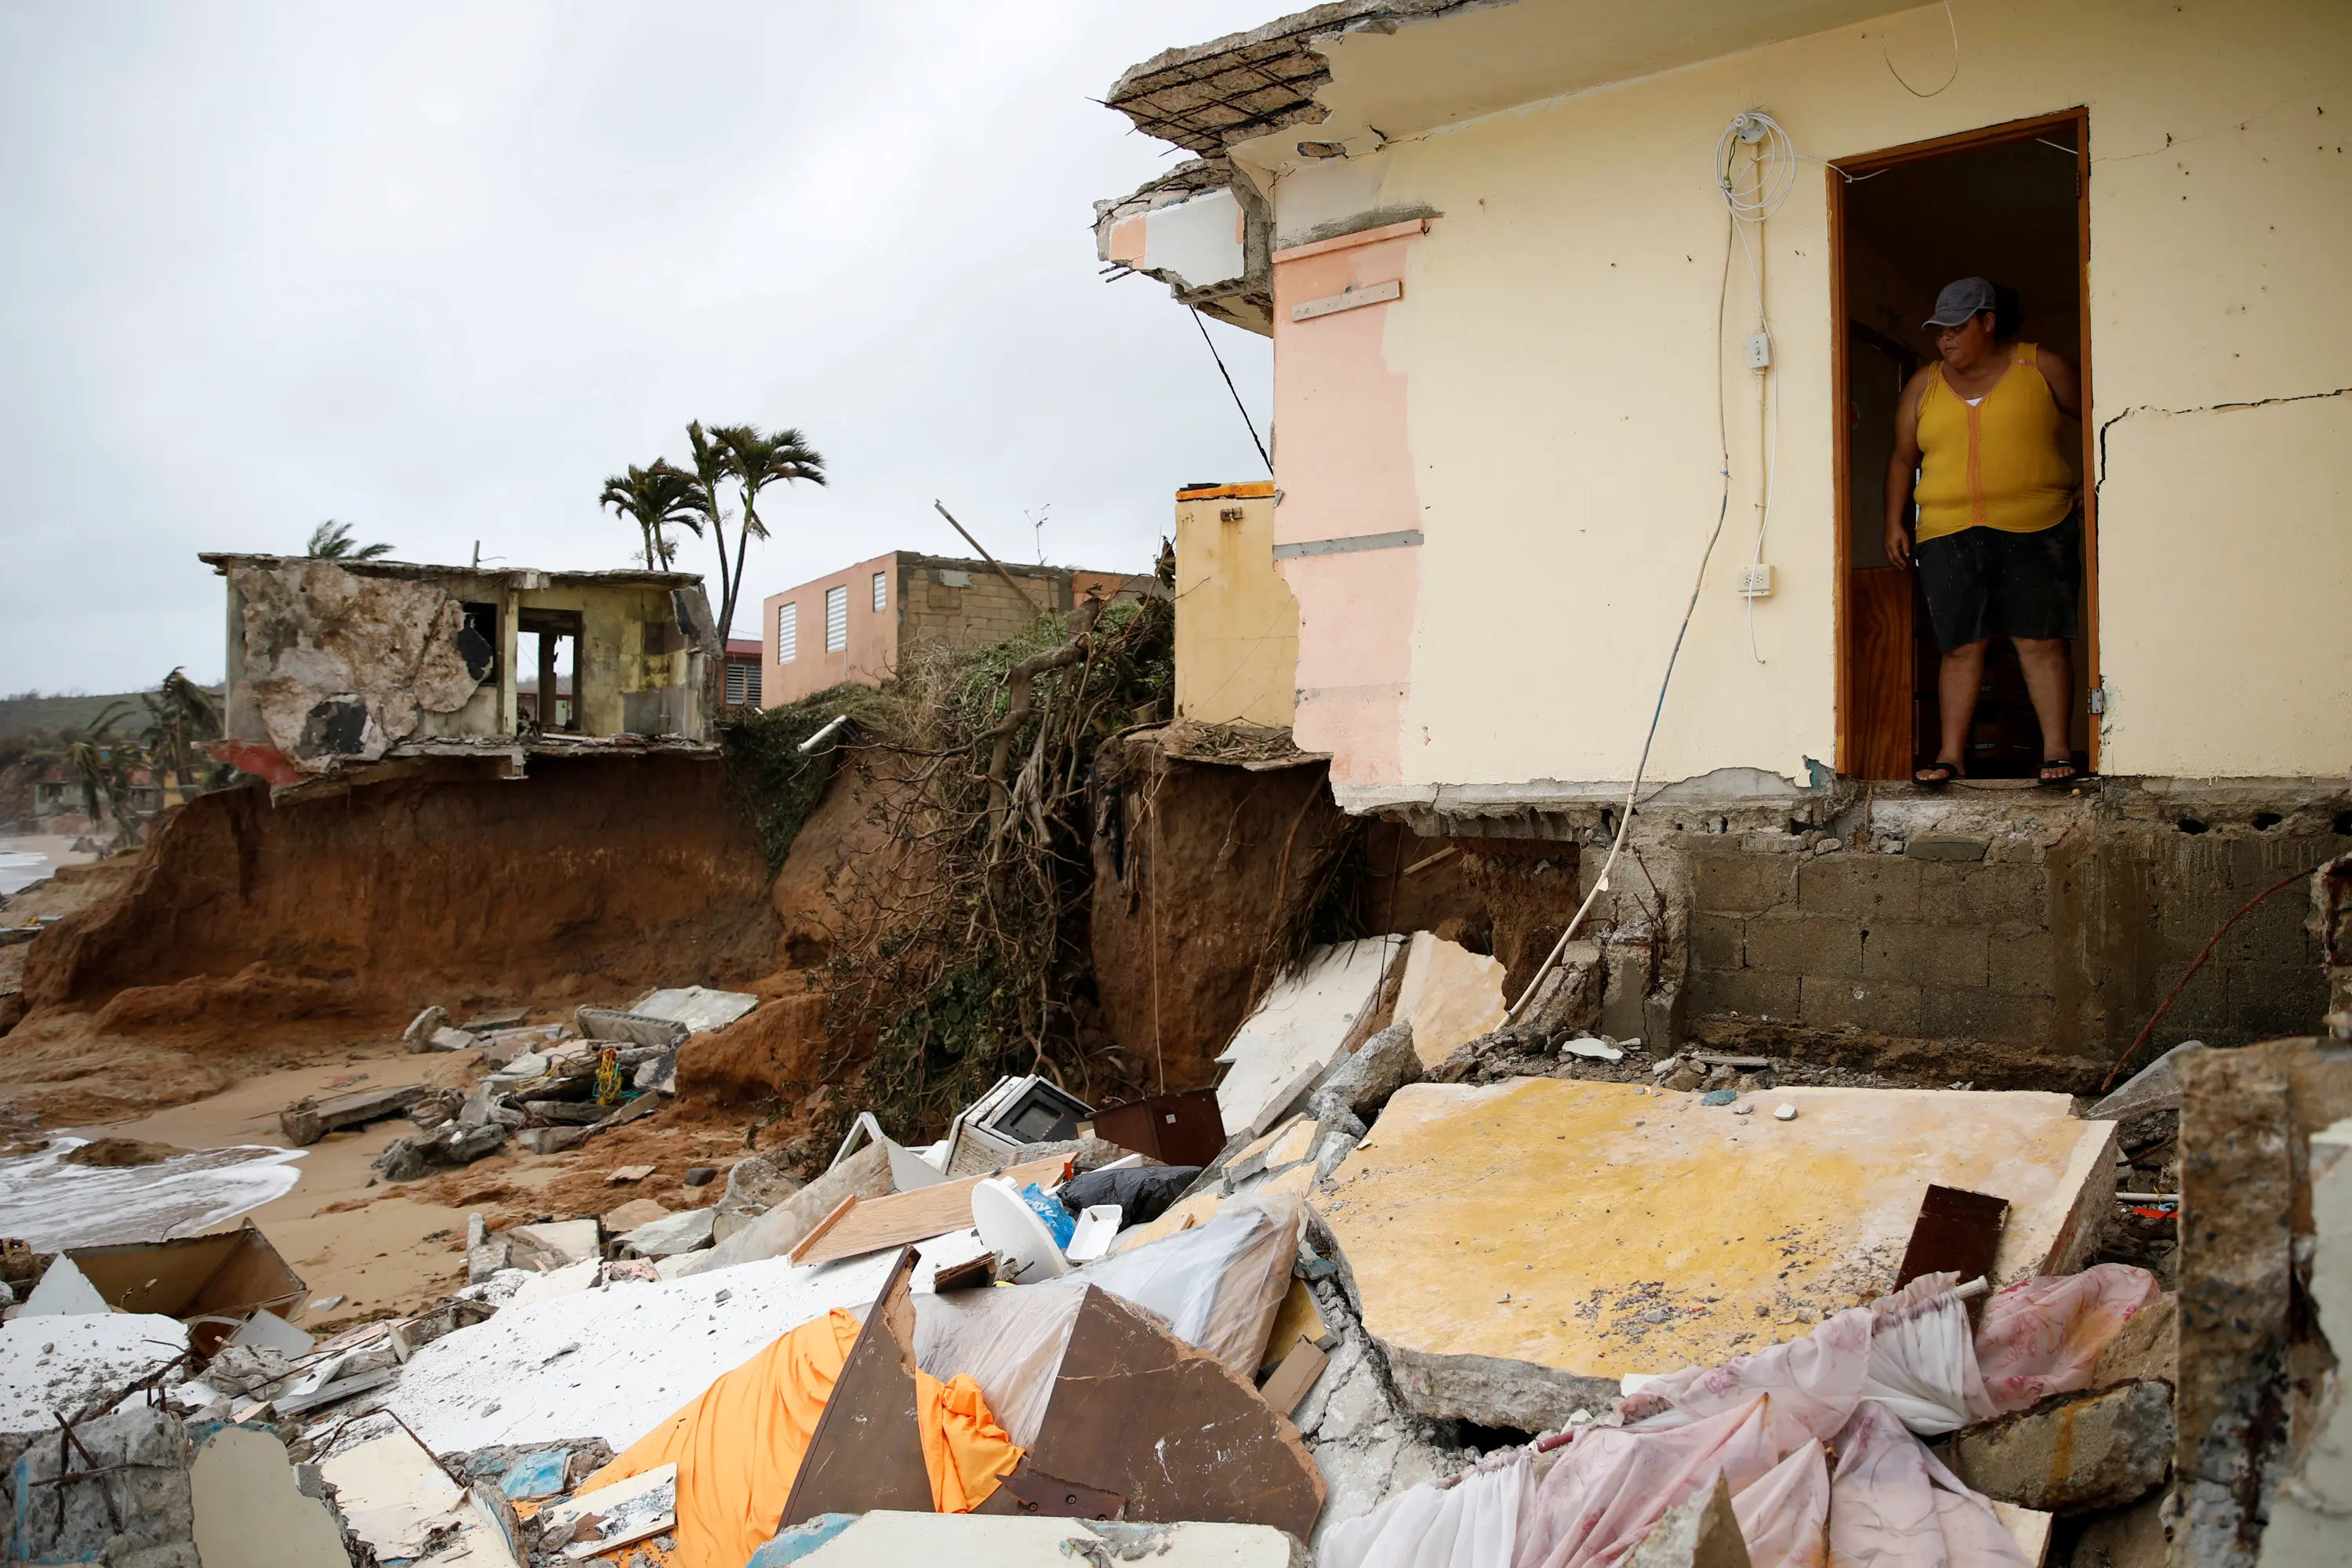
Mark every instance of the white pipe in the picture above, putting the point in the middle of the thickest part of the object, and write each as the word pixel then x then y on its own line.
pixel 816 740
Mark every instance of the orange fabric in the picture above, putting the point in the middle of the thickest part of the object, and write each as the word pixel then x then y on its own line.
pixel 964 1450
pixel 739 1447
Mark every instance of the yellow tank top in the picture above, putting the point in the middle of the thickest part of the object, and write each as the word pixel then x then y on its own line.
pixel 1998 464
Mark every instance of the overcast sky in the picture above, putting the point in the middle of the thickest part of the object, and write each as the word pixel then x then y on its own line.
pixel 438 269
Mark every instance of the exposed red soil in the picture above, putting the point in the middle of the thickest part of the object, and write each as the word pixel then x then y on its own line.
pixel 251 934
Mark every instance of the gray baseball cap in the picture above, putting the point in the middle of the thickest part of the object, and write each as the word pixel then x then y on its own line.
pixel 1960 300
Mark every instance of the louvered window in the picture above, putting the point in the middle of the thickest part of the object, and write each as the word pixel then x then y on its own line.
pixel 788 632
pixel 836 619
pixel 742 683
pixel 881 592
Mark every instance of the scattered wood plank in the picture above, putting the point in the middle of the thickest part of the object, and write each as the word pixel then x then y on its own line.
pixel 900 1219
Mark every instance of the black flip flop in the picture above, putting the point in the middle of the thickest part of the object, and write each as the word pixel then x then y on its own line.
pixel 1947 770
pixel 2067 780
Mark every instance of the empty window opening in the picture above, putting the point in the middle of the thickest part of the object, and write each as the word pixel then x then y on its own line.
pixel 546 664
pixel 477 642
pixel 881 593
pixel 836 619
pixel 2006 205
pixel 788 632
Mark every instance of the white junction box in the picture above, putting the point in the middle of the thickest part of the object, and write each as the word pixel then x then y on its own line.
pixel 1756 582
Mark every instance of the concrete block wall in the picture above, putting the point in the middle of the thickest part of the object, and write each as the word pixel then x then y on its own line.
pixel 2027 953
pixel 965 608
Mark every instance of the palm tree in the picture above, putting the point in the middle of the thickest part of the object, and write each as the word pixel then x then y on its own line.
pixel 331 541
pixel 710 473
pixel 755 461
pixel 653 497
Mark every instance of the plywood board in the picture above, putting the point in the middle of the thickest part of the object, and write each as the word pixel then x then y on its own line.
pixel 900 1219
pixel 1293 1377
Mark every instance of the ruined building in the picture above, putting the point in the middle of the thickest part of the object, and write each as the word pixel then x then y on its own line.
pixel 335 666
pixel 1536 372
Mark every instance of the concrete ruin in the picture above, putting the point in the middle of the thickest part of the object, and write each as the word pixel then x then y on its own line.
pixel 337 663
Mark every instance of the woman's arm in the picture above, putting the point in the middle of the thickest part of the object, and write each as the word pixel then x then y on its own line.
pixel 2065 381
pixel 1901 467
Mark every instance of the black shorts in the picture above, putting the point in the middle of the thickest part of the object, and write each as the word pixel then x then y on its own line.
pixel 1982 581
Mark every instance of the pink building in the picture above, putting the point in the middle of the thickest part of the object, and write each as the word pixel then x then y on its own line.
pixel 851 625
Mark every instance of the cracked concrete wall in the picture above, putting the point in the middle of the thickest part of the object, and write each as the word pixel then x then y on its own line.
pixel 1547 383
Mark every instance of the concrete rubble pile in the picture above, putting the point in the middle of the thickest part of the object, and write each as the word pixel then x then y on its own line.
pixel 1397 1308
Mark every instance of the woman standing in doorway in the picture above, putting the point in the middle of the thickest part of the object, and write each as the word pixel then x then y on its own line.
pixel 2000 534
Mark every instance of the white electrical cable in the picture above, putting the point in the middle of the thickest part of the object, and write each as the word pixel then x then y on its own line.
pixel 1771 174
pixel 1641 766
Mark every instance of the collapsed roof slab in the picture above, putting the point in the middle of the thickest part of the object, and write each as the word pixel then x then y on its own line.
pixel 1519 1247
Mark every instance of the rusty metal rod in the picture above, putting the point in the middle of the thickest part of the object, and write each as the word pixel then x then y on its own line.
pixel 1010 580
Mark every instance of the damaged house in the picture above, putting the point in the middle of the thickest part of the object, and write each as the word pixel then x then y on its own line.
pixel 334 665
pixel 1573 306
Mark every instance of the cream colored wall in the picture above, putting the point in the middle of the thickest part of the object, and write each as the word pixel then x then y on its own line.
pixel 1556 344
pixel 616 654
pixel 1237 622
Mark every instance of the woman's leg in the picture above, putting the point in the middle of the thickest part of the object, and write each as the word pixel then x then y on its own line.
pixel 1957 681
pixel 2050 682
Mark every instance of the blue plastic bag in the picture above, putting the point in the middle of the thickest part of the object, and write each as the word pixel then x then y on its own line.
pixel 1058 1220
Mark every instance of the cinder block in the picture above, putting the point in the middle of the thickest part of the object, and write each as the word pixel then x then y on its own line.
pixel 1881 1008
pixel 1946 846
pixel 1741 884
pixel 1718 942
pixel 2022 960
pixel 1925 955
pixel 1997 893
pixel 1743 991
pixel 2273 933
pixel 1792 943
pixel 1868 886
pixel 1973 1013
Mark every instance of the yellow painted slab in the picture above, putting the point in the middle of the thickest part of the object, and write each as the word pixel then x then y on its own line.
pixel 1600 1230
pixel 1298 1318
pixel 1296 1143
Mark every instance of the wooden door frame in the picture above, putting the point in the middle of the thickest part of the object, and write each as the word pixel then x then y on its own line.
pixel 1837 173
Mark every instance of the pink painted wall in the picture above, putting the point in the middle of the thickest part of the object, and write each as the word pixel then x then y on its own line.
pixel 873 640
pixel 1346 471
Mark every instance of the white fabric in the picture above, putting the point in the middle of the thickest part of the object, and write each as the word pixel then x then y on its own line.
pixel 1923 1361
pixel 1219 1285
pixel 2043 1336
pixel 1784 1517
pixel 1473 1524
pixel 1892 1505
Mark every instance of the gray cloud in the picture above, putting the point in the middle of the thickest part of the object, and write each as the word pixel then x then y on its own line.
pixel 438 269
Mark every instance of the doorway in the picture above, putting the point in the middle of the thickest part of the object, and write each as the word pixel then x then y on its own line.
pixel 547 661
pixel 2008 203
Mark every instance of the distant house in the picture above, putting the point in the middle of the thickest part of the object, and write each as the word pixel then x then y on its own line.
pixel 743 659
pixel 333 663
pixel 853 624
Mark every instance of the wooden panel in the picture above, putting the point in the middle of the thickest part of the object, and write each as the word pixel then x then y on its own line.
pixel 1879 663
pixel 867 1452
pixel 869 1225
pixel 1212 1448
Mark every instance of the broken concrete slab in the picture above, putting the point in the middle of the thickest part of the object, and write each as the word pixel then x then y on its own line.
pixel 1699 1532
pixel 306 1120
pixel 452 1040
pixel 2307 1525
pixel 550 1140
pixel 697 1007
pixel 1299 1032
pixel 248 1509
pixel 2077 1453
pixel 52 1366
pixel 1451 996
pixel 593 1523
pixel 864 1174
pixel 987 1540
pixel 2146 1348
pixel 421 1030
pixel 683 1231
pixel 573 1240
pixel 627 1217
pixel 1519 1247
pixel 2156 1087
pixel 1382 1066
pixel 139 1514
pixel 546 1374
pixel 606 1024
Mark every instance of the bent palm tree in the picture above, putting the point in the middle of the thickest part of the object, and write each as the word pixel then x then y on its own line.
pixel 331 541
pixel 710 473
pixel 755 461
pixel 655 498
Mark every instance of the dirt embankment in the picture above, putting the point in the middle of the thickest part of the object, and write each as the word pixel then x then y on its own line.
pixel 248 931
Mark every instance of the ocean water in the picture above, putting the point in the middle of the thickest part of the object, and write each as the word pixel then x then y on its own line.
pixel 20 868
pixel 53 1205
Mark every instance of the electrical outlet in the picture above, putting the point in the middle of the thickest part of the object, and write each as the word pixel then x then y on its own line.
pixel 1756 582
pixel 1760 349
